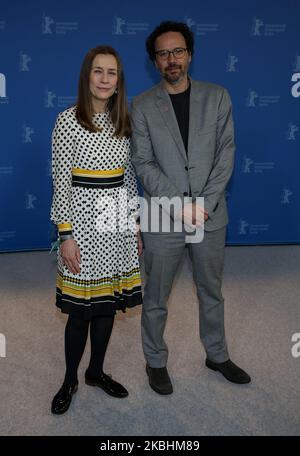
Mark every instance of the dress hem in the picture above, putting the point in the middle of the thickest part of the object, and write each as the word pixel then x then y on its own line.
pixel 87 311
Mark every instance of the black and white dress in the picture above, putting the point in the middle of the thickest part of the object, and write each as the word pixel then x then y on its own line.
pixel 95 199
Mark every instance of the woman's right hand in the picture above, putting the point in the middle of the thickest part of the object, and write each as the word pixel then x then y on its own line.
pixel 71 255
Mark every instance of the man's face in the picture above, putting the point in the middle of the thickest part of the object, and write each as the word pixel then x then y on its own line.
pixel 173 69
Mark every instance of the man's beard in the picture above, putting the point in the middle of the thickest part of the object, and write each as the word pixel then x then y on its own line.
pixel 174 78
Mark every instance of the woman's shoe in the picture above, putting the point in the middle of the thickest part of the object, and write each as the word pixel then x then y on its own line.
pixel 109 385
pixel 62 400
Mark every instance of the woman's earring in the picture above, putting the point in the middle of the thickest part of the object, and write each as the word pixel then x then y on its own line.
pixel 116 91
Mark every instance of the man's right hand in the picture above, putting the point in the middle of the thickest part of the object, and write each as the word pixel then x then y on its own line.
pixel 71 255
pixel 193 214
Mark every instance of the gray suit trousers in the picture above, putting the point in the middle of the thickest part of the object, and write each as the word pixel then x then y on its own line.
pixel 163 254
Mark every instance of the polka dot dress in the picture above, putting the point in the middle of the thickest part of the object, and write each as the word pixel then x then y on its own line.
pixel 95 199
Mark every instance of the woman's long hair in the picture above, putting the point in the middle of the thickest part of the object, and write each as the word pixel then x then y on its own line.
pixel 117 104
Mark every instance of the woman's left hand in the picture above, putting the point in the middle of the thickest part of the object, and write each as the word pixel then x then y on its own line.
pixel 140 242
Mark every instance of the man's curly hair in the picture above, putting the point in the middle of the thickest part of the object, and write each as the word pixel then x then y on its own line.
pixel 170 26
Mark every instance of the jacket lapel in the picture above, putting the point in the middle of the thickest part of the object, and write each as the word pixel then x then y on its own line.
pixel 193 117
pixel 165 107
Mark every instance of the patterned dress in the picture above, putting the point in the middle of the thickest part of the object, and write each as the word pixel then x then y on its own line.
pixel 95 199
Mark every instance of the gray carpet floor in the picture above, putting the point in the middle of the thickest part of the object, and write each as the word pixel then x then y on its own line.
pixel 262 312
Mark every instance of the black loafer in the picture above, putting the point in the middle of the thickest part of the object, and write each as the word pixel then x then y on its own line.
pixel 159 380
pixel 62 400
pixel 108 385
pixel 231 371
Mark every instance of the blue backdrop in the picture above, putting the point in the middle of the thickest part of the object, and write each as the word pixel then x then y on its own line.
pixel 250 47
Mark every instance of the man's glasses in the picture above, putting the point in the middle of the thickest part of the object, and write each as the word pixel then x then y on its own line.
pixel 164 54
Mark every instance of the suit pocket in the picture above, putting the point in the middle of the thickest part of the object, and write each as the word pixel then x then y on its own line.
pixel 207 129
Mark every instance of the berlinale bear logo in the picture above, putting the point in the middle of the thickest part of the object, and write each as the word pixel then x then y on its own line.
pixel 2 86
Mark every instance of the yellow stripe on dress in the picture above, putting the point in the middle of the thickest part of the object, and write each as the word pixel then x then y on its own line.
pixel 64 227
pixel 87 292
pixel 98 173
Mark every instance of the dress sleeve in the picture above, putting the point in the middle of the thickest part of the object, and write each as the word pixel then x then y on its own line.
pixel 131 187
pixel 62 162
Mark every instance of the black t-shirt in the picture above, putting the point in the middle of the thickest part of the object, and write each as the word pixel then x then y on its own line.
pixel 181 106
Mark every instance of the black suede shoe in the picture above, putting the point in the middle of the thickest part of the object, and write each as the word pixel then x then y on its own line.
pixel 231 371
pixel 106 382
pixel 62 400
pixel 159 380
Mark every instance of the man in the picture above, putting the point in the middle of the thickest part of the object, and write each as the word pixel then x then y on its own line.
pixel 183 146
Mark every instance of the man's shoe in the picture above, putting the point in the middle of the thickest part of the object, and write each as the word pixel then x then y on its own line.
pixel 231 371
pixel 108 385
pixel 159 380
pixel 62 400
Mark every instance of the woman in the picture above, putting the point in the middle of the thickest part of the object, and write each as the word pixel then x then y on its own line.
pixel 95 195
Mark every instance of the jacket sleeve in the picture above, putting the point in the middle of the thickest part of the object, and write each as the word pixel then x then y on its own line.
pixel 224 156
pixel 62 162
pixel 155 182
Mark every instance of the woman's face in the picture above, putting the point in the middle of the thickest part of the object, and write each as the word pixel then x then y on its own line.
pixel 103 77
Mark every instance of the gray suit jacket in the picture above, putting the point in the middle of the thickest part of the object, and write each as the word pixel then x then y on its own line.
pixel 158 152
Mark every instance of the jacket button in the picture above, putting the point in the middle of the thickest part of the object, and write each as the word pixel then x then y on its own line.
pixel 186 168
pixel 185 193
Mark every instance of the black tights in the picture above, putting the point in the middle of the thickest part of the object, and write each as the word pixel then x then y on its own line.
pixel 76 333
